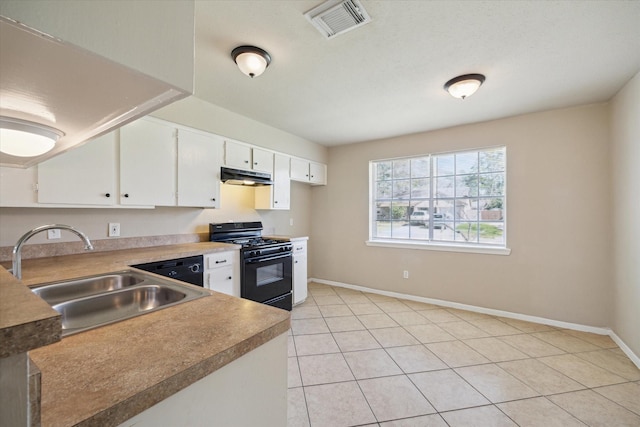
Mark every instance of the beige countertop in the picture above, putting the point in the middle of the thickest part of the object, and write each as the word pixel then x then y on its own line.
pixel 109 374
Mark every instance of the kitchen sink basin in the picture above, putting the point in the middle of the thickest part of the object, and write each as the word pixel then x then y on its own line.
pixel 90 302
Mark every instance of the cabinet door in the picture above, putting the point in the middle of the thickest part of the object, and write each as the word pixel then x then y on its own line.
pixel 237 155
pixel 318 173
pixel 221 280
pixel 278 195
pixel 199 169
pixel 18 186
pixel 299 170
pixel 262 160
pixel 84 176
pixel 299 272
pixel 148 164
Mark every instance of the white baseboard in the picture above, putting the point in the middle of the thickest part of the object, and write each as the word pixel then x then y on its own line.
pixel 510 315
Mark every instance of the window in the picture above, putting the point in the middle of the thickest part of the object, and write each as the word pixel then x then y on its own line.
pixel 448 198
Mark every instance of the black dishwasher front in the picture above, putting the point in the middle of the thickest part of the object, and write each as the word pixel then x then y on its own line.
pixel 187 269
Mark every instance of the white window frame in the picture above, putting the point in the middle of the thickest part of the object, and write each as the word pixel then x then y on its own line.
pixel 430 244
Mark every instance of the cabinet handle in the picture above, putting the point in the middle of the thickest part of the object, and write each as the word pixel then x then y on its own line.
pixel 213 200
pixel 107 195
pixel 126 195
pixel 296 262
pixel 255 163
pixel 275 201
pixel 246 161
pixel 229 278
pixel 221 261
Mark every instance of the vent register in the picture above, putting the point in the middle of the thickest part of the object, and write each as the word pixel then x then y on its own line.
pixel 336 17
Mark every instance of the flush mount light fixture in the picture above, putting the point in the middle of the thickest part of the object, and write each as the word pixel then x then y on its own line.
pixel 251 60
pixel 22 138
pixel 465 85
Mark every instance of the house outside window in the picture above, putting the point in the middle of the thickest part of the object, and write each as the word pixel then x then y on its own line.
pixel 456 198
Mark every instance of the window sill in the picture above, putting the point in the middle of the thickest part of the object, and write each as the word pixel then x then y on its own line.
pixel 444 247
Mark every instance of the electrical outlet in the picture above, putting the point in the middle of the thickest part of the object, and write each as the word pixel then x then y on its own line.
pixel 53 234
pixel 291 221
pixel 114 229
pixel 405 274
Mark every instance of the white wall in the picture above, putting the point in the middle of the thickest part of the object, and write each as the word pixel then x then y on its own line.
pixel 625 133
pixel 559 220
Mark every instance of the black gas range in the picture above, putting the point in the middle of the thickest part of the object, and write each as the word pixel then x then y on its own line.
pixel 266 273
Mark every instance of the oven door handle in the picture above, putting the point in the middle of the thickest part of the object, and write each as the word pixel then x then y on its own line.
pixel 259 260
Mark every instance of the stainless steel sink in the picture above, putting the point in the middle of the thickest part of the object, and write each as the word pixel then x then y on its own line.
pixel 90 302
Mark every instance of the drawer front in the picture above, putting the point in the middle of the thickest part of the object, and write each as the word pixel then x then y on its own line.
pixel 220 259
pixel 221 280
pixel 299 248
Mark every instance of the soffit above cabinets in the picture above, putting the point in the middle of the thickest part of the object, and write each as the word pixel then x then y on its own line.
pixel 57 84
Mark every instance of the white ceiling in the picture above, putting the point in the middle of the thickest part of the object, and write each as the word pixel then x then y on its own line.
pixel 386 78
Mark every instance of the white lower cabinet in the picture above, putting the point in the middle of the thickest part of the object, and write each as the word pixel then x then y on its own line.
pixel 222 272
pixel 299 271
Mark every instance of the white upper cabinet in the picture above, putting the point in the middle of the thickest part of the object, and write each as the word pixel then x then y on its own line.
pixel 18 187
pixel 237 155
pixel 199 160
pixel 83 176
pixel 307 171
pixel 148 164
pixel 262 160
pixel 278 195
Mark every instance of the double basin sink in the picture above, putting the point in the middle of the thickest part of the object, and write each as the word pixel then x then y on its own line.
pixel 94 301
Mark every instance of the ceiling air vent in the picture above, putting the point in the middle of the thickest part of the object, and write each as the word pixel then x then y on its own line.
pixel 336 17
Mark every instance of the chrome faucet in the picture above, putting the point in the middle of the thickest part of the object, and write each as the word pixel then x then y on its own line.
pixel 16 267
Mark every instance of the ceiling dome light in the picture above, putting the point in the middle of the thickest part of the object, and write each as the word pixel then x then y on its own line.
pixel 251 60
pixel 463 86
pixel 26 139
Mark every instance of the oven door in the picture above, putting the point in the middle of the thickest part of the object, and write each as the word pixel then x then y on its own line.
pixel 267 277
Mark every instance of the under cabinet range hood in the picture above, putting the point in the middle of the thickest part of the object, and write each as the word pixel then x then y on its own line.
pixel 242 177
pixel 52 84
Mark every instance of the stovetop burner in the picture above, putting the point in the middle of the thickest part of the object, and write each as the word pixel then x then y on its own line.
pixel 255 242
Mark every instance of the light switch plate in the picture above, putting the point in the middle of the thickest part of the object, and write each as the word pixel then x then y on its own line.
pixel 53 234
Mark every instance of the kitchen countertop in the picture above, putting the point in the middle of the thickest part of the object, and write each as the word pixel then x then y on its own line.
pixel 109 374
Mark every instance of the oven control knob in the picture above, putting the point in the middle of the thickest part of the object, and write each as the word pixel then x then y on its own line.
pixel 195 268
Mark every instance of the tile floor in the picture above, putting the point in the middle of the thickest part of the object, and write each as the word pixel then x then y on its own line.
pixel 360 359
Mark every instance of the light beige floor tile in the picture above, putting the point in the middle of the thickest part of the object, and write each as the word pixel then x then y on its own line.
pixel 617 351
pixel 540 377
pixel 495 350
pixel 582 371
pixel 293 379
pixel 495 383
pixel 530 345
pixel 371 364
pixel 308 326
pixel 328 300
pixel 415 358
pixel 342 324
pixel 366 308
pixel 308 302
pixel 434 420
pixel 525 326
pixel 627 395
pixel 468 315
pixel 380 320
pixel 315 344
pixel 335 310
pixel 603 341
pixel 393 337
pixel 358 298
pixel 305 312
pixel 463 330
pixel 447 391
pixel 393 307
pixel 618 365
pixel 318 292
pixel 380 298
pixel 394 397
pixel 406 318
pixel 324 368
pixel 341 404
pixel 291 347
pixel 439 316
pixel 495 327
pixel 429 333
pixel 297 415
pixel 538 412
pixel 565 342
pixel 595 410
pixel 418 306
pixel 456 354
pixel 482 416
pixel 355 340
